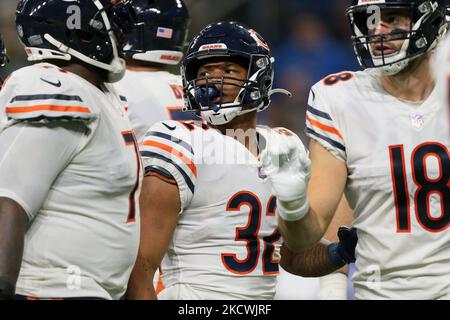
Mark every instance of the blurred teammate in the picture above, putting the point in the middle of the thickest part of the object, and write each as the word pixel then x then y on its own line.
pixel 374 136
pixel 70 171
pixel 205 202
pixel 156 42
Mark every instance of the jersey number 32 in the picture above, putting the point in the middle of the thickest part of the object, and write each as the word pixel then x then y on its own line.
pixel 250 235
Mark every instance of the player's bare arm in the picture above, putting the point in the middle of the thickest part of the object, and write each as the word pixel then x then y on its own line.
pixel 160 207
pixel 13 222
pixel 317 261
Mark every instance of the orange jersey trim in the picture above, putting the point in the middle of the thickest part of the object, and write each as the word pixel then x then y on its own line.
pixel 173 151
pixel 46 107
pixel 324 127
pixel 160 286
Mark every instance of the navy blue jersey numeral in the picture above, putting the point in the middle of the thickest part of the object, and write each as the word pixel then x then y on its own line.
pixel 130 140
pixel 426 186
pixel 250 234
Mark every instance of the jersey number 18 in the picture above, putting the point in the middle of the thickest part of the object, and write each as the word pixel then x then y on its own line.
pixel 426 186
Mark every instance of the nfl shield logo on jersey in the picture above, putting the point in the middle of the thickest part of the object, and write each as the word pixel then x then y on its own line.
pixel 417 120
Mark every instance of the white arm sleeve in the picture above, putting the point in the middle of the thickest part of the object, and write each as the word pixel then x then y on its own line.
pixel 31 158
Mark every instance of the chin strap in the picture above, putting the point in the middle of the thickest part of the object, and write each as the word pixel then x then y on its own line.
pixel 114 67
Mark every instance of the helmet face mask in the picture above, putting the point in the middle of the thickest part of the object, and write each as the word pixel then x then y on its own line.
pixel 160 31
pixel 227 41
pixel 85 30
pixel 426 25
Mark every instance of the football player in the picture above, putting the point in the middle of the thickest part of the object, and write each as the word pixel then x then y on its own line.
pixel 206 204
pixel 374 136
pixel 70 171
pixel 155 43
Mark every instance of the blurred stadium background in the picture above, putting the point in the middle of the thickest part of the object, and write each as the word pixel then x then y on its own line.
pixel 309 39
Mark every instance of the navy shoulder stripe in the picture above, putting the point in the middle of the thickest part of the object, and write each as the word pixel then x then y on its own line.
pixel 123 98
pixel 171 138
pixel 187 179
pixel 318 112
pixel 329 140
pixel 62 97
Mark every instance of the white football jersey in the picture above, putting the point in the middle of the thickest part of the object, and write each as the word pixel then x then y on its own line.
pixel 152 97
pixel 397 156
pixel 83 234
pixel 226 244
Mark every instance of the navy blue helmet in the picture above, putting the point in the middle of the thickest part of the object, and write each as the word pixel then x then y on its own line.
pixel 85 30
pixel 427 26
pixel 233 42
pixel 160 32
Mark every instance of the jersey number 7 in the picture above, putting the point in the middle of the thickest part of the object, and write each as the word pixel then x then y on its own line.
pixel 426 186
pixel 130 140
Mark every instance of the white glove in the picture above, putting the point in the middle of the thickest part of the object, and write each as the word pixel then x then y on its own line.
pixel 286 163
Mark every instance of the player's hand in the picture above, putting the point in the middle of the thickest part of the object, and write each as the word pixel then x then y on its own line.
pixel 343 252
pixel 286 163
pixel 348 238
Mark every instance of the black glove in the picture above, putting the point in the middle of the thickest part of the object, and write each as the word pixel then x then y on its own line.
pixel 343 252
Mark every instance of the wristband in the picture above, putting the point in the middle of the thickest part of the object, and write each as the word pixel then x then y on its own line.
pixel 334 256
